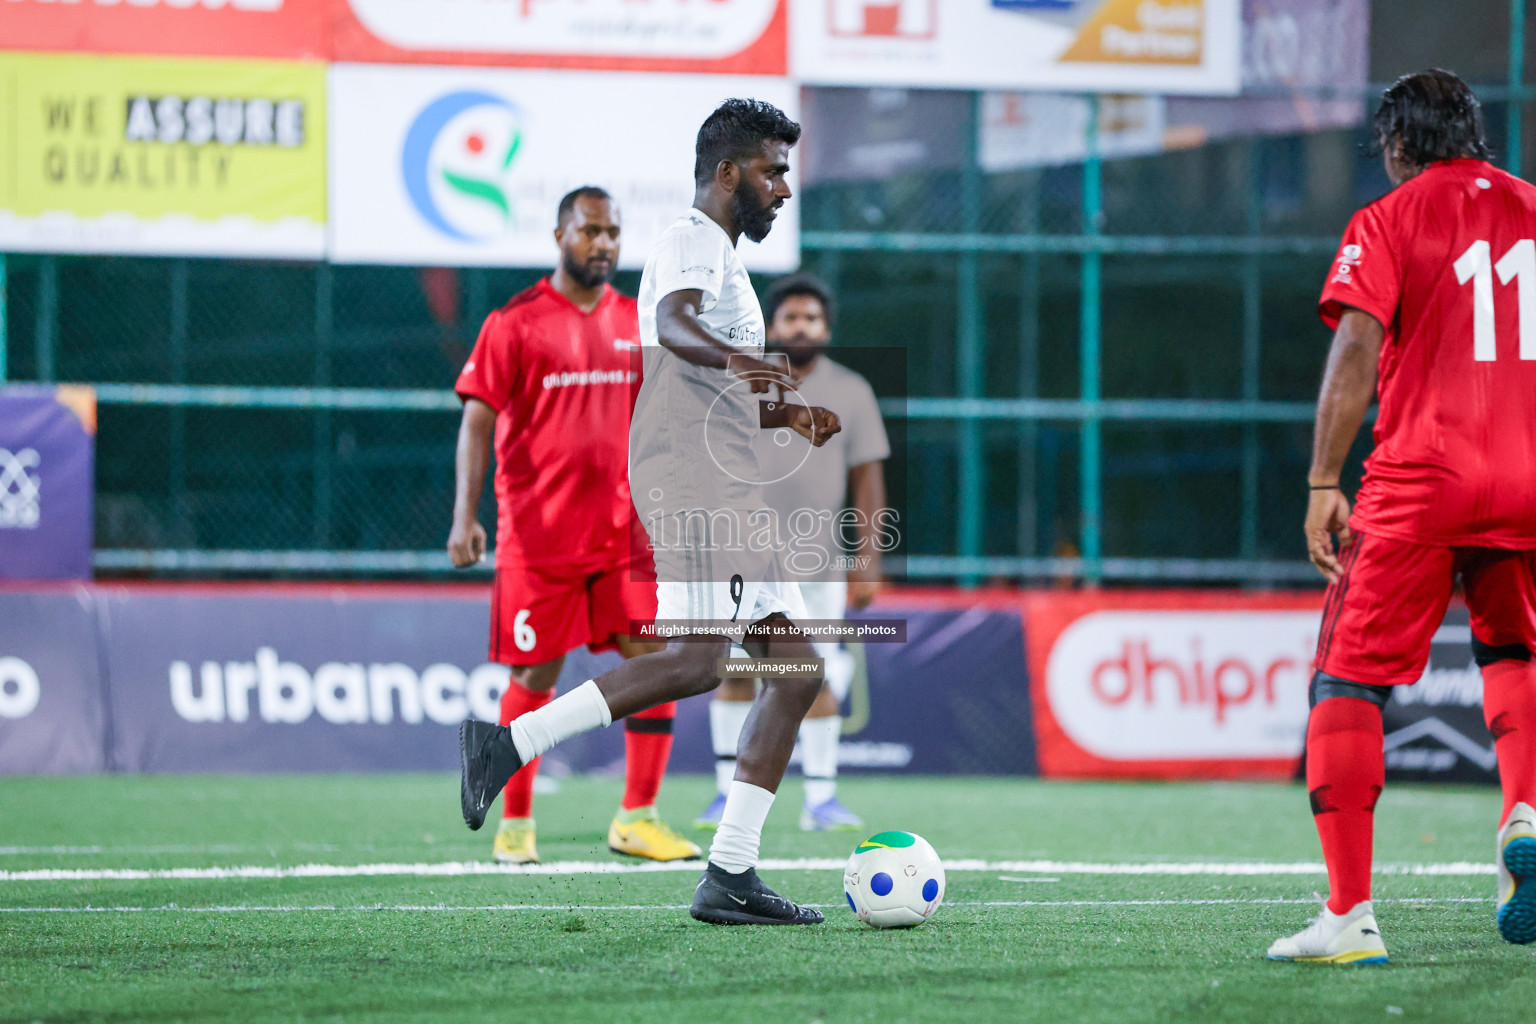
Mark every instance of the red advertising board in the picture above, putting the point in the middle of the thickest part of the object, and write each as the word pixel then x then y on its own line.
pixel 739 37
pixel 1170 684
pixel 207 28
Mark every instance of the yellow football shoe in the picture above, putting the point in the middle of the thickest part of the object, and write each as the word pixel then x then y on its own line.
pixel 515 842
pixel 642 833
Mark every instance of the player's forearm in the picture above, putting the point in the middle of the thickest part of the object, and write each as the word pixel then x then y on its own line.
pixel 471 457
pixel 1349 383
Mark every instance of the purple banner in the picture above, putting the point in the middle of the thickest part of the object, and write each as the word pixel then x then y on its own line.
pixel 47 476
pixel 253 678
pixel 52 715
pixel 309 681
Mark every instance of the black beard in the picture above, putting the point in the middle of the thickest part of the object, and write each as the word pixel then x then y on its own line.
pixel 799 358
pixel 755 219
pixel 584 275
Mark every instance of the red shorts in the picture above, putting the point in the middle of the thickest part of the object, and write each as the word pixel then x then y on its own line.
pixel 1379 618
pixel 538 615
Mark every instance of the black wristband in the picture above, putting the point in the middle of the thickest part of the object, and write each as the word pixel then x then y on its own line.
pixel 1325 487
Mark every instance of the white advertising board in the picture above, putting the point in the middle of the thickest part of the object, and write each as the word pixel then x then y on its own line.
pixel 1184 686
pixel 465 166
pixel 1161 46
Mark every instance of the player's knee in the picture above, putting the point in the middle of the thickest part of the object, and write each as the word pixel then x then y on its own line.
pixel 1488 654
pixel 696 666
pixel 801 692
pixel 536 677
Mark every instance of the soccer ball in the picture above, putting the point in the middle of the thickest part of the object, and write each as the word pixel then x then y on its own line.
pixel 894 880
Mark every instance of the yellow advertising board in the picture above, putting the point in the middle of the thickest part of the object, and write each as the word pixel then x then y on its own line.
pixel 162 155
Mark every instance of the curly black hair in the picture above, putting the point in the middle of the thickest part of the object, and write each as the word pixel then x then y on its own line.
pixel 736 131
pixel 796 285
pixel 1436 117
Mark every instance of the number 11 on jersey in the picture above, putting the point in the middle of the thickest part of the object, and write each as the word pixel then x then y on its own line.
pixel 1519 264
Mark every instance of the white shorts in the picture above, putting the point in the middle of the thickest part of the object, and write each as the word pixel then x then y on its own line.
pixel 714 600
pixel 699 580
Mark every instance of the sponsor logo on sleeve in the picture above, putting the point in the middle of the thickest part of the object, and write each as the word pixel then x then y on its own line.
pixel 1349 259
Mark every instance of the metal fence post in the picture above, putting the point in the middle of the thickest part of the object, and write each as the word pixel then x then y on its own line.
pixel 47 317
pixel 321 453
pixel 1516 86
pixel 971 346
pixel 1028 525
pixel 1090 496
pixel 1253 307
pixel 180 505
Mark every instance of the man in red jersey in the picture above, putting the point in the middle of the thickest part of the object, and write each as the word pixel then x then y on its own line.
pixel 554 376
pixel 1433 299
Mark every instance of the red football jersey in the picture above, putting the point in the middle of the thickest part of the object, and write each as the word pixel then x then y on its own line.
pixel 1447 263
pixel 563 383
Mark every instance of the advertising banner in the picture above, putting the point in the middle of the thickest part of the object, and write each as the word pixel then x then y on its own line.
pixel 162 156
pixel 737 37
pixel 875 134
pixel 1162 46
pixel 466 166
pixel 208 28
pixel 377 678
pixel 1435 731
pixel 240 679
pixel 1171 684
pixel 1304 67
pixel 52 717
pixel 47 482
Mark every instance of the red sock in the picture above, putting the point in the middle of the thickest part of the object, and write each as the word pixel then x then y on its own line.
pixel 647 748
pixel 1345 772
pixel 1509 708
pixel 517 798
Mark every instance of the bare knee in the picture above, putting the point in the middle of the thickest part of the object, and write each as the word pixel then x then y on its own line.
pixel 696 665
pixel 801 694
pixel 538 677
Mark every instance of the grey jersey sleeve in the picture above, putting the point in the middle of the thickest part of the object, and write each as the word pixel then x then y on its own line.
pixel 867 441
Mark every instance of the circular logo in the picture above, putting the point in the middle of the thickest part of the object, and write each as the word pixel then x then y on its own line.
pixel 782 437
pixel 457 160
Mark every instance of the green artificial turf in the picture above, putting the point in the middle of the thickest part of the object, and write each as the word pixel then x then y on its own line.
pixel 1111 948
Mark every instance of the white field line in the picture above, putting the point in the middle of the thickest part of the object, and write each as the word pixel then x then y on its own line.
pixel 459 869
pixel 496 907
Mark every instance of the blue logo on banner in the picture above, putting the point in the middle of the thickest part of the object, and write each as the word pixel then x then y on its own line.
pixel 456 159
pixel 1034 5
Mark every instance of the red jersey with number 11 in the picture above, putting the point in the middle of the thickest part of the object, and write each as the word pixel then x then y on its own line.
pixel 1447 263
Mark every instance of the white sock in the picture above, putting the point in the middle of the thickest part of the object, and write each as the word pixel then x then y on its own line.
pixel 818 757
pixel 741 828
pixel 726 717
pixel 570 714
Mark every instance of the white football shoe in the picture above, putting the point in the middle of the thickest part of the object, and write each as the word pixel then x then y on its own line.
pixel 1516 860
pixel 1348 938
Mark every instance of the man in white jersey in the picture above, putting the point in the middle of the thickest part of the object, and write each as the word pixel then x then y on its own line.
pixel 809 491
pixel 696 485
